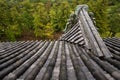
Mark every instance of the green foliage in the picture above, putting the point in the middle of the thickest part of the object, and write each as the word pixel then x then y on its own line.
pixel 8 20
pixel 26 16
pixel 107 16
pixel 44 17
pixel 114 20
pixel 42 27
pixel 11 32
pixel 59 15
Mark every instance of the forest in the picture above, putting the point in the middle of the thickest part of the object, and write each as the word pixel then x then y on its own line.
pixel 46 19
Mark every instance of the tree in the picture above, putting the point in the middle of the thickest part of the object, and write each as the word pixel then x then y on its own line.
pixel 26 16
pixel 42 26
pixel 43 17
pixel 114 20
pixel 8 20
pixel 59 14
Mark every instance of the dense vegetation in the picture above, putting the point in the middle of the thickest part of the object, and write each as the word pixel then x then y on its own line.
pixel 43 18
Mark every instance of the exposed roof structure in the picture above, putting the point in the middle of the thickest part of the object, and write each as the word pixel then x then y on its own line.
pixel 80 54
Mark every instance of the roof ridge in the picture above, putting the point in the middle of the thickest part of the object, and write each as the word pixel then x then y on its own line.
pixel 84 32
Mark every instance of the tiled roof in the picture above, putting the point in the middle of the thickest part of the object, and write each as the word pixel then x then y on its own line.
pixel 44 60
pixel 72 57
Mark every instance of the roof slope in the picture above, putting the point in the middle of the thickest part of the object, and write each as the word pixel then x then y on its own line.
pixel 44 60
pixel 73 57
